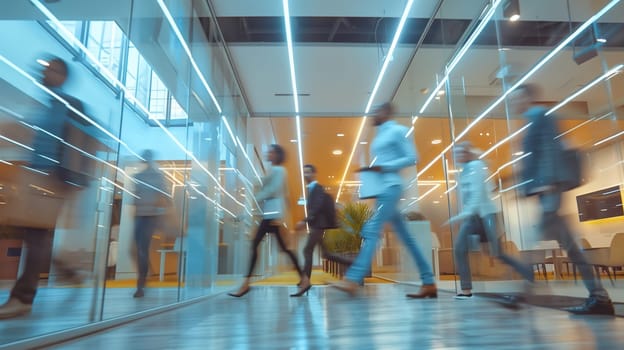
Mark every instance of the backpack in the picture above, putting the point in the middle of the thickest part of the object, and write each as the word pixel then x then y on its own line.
pixel 329 210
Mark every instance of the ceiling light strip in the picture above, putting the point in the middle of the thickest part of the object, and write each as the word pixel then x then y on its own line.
pixel 380 76
pixel 541 63
pixel 609 138
pixel 178 34
pixel 504 140
pixel 355 144
pixel 524 78
pixel 78 43
pixel 506 165
pixel 582 124
pixel 293 80
pixel 607 75
pixel 390 53
pixel 64 102
pixel 460 54
pixel 240 145
pixel 227 126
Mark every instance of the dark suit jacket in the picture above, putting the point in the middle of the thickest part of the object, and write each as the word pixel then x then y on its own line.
pixel 316 215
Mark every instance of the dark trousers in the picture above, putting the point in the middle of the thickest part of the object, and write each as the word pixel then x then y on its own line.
pixel 553 227
pixel 39 245
pixel 144 227
pixel 487 225
pixel 267 226
pixel 315 238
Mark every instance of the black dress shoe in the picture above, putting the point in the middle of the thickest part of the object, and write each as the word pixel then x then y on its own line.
pixel 511 302
pixel 593 306
pixel 139 293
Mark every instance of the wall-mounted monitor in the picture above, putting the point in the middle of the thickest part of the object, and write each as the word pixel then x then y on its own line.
pixel 606 203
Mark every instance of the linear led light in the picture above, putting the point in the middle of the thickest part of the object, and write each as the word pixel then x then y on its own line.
pixel 424 195
pixel 450 189
pixel 67 104
pixel 609 138
pixel 240 145
pixel 524 155
pixel 380 76
pixel 178 34
pixel 293 81
pixel 300 151
pixel 390 54
pixel 344 174
pixel 227 126
pixel 525 77
pixel 541 63
pixel 291 56
pixel 130 97
pixel 608 75
pixel 594 119
pixel 120 187
pixel 509 137
pixel 515 186
pixel 460 54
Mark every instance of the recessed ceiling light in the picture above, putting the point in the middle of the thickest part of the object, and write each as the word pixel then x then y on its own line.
pixel 441 92
pixel 293 141
pixel 43 62
pixel 514 18
pixel 363 143
pixel 601 40
pixel 436 202
pixel 436 142
pixel 518 153
pixel 340 134
pixel 437 97
pixel 337 152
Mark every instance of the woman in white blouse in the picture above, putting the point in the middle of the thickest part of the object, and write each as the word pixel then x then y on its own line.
pixel 478 216
pixel 271 198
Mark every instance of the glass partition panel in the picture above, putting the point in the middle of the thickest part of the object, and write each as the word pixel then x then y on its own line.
pixel 61 125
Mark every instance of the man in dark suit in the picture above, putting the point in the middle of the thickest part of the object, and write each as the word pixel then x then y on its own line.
pixel 317 218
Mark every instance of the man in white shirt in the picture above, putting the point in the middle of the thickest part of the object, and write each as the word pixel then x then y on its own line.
pixel 478 216
pixel 392 150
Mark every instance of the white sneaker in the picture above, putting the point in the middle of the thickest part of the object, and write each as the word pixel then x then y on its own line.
pixel 462 296
pixel 14 308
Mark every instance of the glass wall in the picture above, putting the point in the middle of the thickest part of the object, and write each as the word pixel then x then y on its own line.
pixel 127 175
pixel 573 52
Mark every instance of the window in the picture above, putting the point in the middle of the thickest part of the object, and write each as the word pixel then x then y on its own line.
pixel 104 41
pixel 176 112
pixel 138 75
pixel 158 98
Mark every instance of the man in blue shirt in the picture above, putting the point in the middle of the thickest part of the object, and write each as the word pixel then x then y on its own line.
pixel 392 151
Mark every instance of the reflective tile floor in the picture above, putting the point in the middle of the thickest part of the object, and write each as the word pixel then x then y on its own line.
pixel 379 318
pixel 58 309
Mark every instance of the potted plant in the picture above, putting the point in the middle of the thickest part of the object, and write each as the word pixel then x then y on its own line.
pixel 347 239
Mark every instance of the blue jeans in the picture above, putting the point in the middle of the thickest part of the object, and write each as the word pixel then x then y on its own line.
pixel 386 210
pixel 488 224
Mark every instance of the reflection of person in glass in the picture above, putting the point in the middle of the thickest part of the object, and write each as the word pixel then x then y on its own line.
pixel 478 217
pixel 541 174
pixel 392 151
pixel 271 197
pixel 151 204
pixel 45 170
